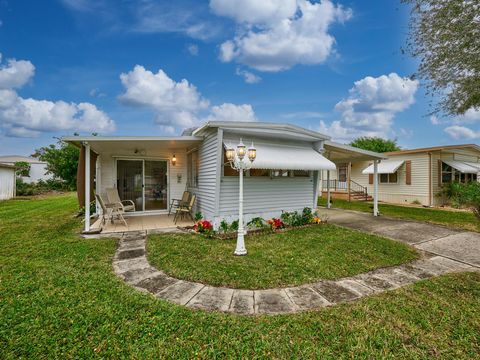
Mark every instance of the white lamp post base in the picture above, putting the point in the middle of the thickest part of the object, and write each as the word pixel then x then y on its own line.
pixel 240 250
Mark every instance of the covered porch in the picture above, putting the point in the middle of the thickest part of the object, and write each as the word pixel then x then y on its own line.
pixel 148 172
pixel 343 186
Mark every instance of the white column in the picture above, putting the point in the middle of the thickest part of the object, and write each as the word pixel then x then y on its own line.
pixel 375 188
pixel 240 250
pixel 328 190
pixel 87 187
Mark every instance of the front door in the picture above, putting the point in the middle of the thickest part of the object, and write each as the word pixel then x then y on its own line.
pixel 145 182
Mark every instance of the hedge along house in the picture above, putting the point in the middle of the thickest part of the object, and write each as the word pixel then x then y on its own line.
pixel 153 170
pixel 412 176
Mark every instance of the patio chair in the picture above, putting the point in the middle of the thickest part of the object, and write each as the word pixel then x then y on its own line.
pixel 185 209
pixel 114 198
pixel 175 203
pixel 110 211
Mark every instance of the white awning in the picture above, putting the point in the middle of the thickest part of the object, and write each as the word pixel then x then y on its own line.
pixel 461 166
pixel 385 167
pixel 473 164
pixel 284 157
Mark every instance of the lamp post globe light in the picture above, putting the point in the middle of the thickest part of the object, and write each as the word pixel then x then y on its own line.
pixel 237 161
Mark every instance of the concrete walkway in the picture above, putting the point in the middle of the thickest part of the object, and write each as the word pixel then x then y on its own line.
pixel 130 264
pixel 463 246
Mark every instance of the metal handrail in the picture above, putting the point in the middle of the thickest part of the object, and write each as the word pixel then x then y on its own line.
pixel 343 185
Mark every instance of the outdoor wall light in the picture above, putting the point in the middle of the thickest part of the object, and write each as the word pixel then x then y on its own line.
pixel 241 150
pixel 174 160
pixel 230 154
pixel 252 153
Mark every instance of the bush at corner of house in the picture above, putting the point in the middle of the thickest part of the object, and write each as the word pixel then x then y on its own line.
pixel 198 216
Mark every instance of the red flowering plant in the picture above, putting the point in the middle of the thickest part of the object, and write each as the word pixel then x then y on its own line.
pixel 204 227
pixel 276 224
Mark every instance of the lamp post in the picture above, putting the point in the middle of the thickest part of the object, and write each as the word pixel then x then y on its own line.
pixel 237 161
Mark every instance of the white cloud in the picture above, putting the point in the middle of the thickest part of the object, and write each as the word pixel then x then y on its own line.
pixel 462 132
pixel 30 117
pixel 471 116
pixel 96 93
pixel 232 112
pixel 15 73
pixel 371 107
pixel 250 78
pixel 276 35
pixel 177 105
pixel 193 49
pixel 254 11
pixel 435 120
pixel 304 115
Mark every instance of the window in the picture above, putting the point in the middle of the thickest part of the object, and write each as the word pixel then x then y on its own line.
pixel 447 173
pixel 389 178
pixel 280 173
pixel 192 169
pixel 260 172
pixel 301 173
pixel 342 172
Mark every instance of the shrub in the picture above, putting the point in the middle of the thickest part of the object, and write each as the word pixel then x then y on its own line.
pixel 307 215
pixel 198 216
pixel 257 223
pixel 234 225
pixel 464 195
pixel 224 227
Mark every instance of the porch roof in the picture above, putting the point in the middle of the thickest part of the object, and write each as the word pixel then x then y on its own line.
pixel 133 144
pixel 345 153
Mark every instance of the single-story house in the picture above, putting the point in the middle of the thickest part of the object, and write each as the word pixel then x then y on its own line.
pixel 38 169
pixel 407 176
pixel 151 171
pixel 7 181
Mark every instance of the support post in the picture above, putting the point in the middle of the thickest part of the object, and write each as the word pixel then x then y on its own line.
pixel 240 250
pixel 87 187
pixel 328 190
pixel 375 188
pixel 349 181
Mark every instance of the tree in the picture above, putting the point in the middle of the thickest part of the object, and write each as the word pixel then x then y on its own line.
pixel 62 161
pixel 22 168
pixel 445 36
pixel 376 144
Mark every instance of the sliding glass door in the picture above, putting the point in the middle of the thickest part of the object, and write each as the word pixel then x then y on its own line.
pixel 145 182
pixel 155 185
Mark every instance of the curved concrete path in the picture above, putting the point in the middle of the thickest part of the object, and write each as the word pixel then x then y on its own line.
pixel 130 264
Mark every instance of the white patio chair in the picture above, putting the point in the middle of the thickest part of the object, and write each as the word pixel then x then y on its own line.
pixel 114 198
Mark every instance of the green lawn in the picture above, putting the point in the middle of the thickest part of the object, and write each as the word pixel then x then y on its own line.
pixel 60 299
pixel 454 219
pixel 274 260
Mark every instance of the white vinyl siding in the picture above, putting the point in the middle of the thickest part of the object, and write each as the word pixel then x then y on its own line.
pixel 207 172
pixel 7 183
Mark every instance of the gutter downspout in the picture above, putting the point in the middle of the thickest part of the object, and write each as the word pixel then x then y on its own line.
pixel 430 184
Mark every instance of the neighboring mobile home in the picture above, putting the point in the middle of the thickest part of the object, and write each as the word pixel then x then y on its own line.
pixel 38 169
pixel 409 176
pixel 151 171
pixel 7 181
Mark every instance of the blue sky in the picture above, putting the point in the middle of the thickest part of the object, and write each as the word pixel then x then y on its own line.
pixel 334 66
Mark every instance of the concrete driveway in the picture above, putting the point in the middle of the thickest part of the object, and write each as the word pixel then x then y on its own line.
pixel 459 245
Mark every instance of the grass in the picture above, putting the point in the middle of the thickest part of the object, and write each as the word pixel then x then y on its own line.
pixel 294 257
pixel 60 299
pixel 454 219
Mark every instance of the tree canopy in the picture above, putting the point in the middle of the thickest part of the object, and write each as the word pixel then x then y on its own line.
pixel 62 161
pixel 376 144
pixel 445 36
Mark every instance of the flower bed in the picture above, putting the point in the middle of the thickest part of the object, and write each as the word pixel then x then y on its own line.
pixel 258 225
